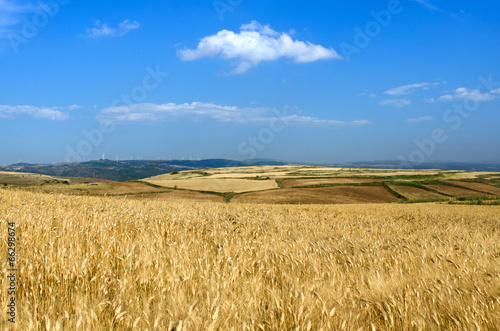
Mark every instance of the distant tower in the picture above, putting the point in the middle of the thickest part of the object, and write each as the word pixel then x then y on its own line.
pixel 102 156
pixel 117 158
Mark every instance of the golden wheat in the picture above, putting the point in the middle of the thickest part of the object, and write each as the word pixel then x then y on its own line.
pixel 108 263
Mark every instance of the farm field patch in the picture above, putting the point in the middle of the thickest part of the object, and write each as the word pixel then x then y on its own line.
pixel 415 192
pixel 20 178
pixel 321 181
pixel 177 195
pixel 98 187
pixel 480 187
pixel 455 191
pixel 320 195
pixel 217 185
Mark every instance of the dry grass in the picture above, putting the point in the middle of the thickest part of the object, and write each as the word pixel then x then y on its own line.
pixel 250 175
pixel 414 192
pixel 71 188
pixel 319 181
pixel 455 191
pixel 22 178
pixel 96 263
pixel 104 187
pixel 178 195
pixel 473 175
pixel 216 185
pixel 320 195
pixel 379 172
pixel 480 187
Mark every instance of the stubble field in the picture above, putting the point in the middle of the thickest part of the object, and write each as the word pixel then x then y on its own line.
pixel 110 263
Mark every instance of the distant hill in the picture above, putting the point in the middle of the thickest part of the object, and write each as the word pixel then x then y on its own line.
pixel 493 166
pixel 139 169
pixel 128 170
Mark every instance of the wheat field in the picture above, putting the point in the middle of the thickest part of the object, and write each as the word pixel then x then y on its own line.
pixel 108 263
pixel 216 185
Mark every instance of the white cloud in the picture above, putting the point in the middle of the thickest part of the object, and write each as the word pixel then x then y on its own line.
pixel 103 29
pixel 367 93
pixel 11 13
pixel 446 97
pixel 395 102
pixel 462 93
pixel 419 119
pixel 408 89
pixel 427 4
pixel 256 43
pixel 72 107
pixel 466 93
pixel 199 111
pixel 51 113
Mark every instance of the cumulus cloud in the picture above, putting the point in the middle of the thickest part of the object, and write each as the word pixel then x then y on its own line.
pixel 409 89
pixel 50 113
pixel 104 30
pixel 256 43
pixel 419 119
pixel 395 102
pixel 200 111
pixel 462 93
pixel 466 93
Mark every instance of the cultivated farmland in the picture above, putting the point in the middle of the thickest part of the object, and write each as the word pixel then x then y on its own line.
pixel 456 191
pixel 216 185
pixel 411 192
pixel 283 184
pixel 110 263
pixel 320 195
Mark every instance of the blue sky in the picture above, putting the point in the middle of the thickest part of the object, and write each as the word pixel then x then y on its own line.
pixel 323 81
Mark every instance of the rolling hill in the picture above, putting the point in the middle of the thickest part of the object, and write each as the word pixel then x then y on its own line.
pixel 139 169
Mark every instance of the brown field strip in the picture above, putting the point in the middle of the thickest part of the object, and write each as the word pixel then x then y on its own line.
pixel 415 192
pixel 129 187
pixel 85 180
pixel 249 175
pixel 178 195
pixel 100 187
pixel 480 187
pixel 319 181
pixel 320 195
pixel 217 185
pixel 455 191
pixel 385 173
